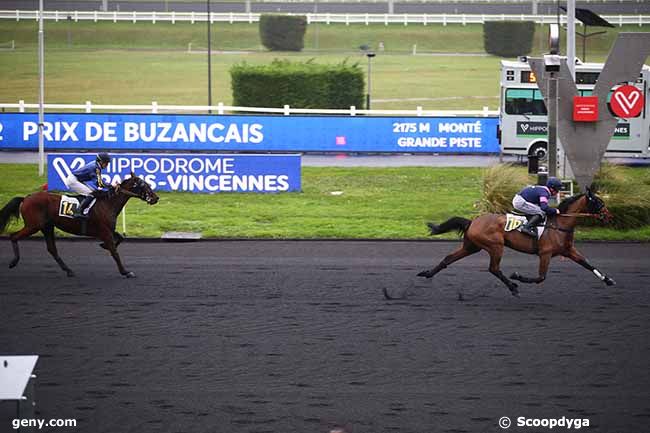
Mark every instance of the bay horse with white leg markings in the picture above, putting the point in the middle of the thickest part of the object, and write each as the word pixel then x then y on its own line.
pixel 41 211
pixel 487 232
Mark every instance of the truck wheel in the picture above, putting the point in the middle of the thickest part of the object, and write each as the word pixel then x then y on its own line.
pixel 539 150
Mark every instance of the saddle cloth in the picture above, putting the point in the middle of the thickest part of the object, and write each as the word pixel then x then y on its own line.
pixel 70 203
pixel 515 221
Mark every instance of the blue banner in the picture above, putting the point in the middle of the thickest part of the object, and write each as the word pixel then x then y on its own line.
pixel 251 133
pixel 205 173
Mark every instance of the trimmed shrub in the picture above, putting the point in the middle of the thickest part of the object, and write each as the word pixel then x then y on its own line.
pixel 298 84
pixel 283 32
pixel 508 38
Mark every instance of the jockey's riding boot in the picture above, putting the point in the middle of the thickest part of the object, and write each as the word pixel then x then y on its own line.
pixel 530 228
pixel 79 213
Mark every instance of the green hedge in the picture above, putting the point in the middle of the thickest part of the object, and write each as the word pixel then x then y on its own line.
pixel 627 196
pixel 628 216
pixel 298 84
pixel 283 32
pixel 508 38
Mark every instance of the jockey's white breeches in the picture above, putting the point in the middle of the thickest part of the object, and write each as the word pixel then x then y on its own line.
pixel 79 187
pixel 526 207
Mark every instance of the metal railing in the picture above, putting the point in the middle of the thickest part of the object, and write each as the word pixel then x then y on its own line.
pixel 326 18
pixel 221 109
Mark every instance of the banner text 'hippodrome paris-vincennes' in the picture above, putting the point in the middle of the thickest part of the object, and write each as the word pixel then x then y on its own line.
pixel 205 173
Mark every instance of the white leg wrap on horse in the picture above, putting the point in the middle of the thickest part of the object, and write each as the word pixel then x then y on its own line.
pixel 598 274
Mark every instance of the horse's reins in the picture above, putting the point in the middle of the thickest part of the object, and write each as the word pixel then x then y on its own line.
pixel 126 192
pixel 577 215
pixel 569 215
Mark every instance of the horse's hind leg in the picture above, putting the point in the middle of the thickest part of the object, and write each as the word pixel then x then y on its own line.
pixel 464 251
pixel 48 232
pixel 15 237
pixel 574 255
pixel 495 262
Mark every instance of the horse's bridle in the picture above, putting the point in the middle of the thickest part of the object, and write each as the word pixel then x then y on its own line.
pixel 147 197
pixel 602 214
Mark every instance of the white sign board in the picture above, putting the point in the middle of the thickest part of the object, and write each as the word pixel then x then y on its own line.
pixel 15 372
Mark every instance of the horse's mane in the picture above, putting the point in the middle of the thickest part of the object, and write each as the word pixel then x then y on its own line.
pixel 127 179
pixel 563 207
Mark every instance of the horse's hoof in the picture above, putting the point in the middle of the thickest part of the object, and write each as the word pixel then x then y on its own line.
pixel 129 275
pixel 515 276
pixel 70 274
pixel 513 289
pixel 610 281
pixel 13 264
pixel 426 274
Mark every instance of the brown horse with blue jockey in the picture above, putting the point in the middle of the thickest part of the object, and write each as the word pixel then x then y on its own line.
pixel 487 232
pixel 43 211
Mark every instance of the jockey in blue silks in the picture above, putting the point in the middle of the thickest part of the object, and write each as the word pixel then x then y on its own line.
pixel 87 181
pixel 533 200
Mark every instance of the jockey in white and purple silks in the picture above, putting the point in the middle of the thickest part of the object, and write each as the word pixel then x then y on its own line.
pixel 533 200
pixel 87 180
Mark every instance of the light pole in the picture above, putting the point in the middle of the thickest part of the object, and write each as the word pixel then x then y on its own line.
pixel 370 55
pixel 552 69
pixel 209 59
pixel 315 24
pixel 41 90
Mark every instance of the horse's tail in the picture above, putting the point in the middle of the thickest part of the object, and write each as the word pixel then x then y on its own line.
pixel 456 223
pixel 11 210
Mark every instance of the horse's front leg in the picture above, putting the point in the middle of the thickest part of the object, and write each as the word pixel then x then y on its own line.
pixel 575 255
pixel 118 240
pixel 495 269
pixel 544 261
pixel 110 246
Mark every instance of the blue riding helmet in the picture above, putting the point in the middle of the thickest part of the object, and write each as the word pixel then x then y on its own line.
pixel 554 183
pixel 103 157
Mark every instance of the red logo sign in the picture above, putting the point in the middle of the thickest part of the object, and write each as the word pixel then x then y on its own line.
pixel 627 101
pixel 585 108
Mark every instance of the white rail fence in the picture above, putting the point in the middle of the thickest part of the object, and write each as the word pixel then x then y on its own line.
pixel 326 18
pixel 221 109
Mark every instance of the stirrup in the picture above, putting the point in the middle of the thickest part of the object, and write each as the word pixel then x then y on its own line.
pixel 530 231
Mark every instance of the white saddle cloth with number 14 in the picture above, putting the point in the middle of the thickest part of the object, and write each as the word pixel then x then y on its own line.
pixel 69 205
pixel 514 222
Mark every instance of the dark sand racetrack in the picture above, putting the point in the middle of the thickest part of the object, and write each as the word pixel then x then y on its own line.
pixel 297 337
